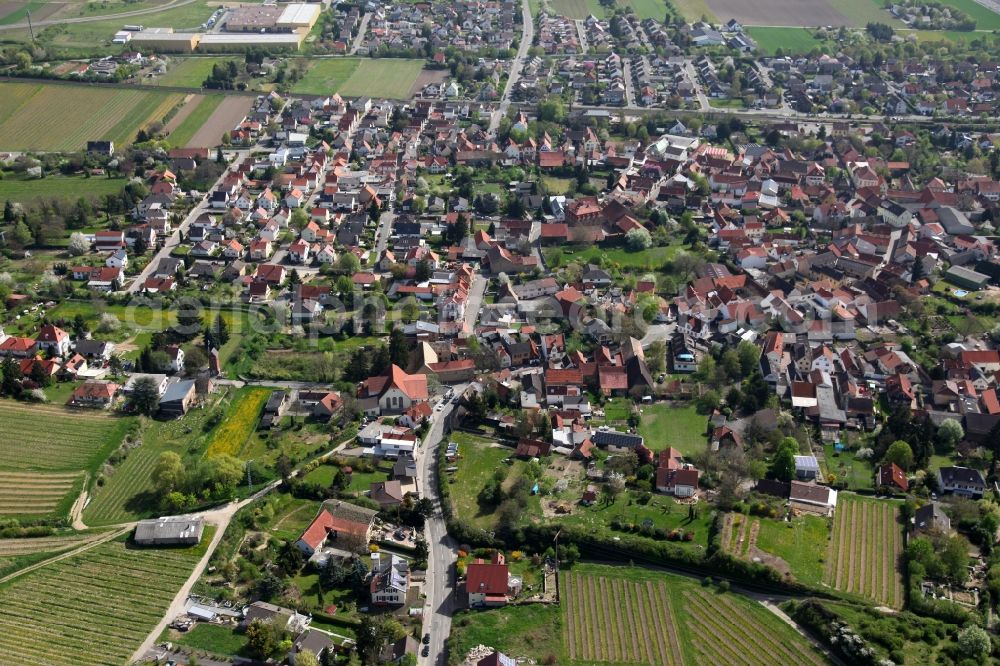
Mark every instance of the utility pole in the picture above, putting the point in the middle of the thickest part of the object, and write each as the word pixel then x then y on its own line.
pixel 31 30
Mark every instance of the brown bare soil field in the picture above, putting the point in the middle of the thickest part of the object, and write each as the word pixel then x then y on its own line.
pixel 191 102
pixel 230 112
pixel 809 13
pixel 427 77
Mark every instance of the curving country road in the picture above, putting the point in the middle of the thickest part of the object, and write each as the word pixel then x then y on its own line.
pixel 103 17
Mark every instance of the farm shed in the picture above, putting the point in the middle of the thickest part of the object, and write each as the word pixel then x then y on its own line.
pixel 169 531
pixel 966 278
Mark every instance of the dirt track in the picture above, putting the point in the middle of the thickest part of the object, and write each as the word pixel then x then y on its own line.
pixel 231 111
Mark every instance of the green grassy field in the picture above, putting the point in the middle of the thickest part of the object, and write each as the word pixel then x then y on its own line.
pixel 195 120
pixel 662 512
pixel 680 427
pixel 58 187
pixel 37 116
pixel 475 468
pixel 578 9
pixel 93 608
pixel 790 40
pixel 629 616
pixel 863 12
pixel 326 76
pixel 212 638
pixel 951 36
pixel 985 18
pixel 192 72
pixel 801 543
pixel 694 10
pixel 21 13
pixel 654 9
pixel 387 77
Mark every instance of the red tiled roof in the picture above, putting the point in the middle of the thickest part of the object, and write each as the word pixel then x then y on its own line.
pixel 490 579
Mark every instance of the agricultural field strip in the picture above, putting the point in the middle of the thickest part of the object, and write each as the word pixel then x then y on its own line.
pixel 645 652
pixel 13 547
pixel 643 619
pixel 719 634
pixel 601 599
pixel 571 618
pixel 760 636
pixel 108 506
pixel 662 638
pixel 707 639
pixel 599 652
pixel 673 634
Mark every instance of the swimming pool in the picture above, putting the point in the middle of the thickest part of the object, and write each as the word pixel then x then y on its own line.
pixel 961 293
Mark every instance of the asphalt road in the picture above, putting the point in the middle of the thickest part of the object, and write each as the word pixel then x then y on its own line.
pixel 527 36
pixel 439 588
pixel 175 238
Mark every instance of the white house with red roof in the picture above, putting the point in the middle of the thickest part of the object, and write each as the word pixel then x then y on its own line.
pixel 393 392
pixel 52 339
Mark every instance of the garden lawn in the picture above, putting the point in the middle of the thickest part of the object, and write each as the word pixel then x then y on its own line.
pixel 210 637
pixel 516 630
pixel 25 191
pixel 556 186
pixel 650 259
pixel 857 474
pixel 791 40
pixel 475 467
pixel 680 427
pixel 661 511
pixel 801 543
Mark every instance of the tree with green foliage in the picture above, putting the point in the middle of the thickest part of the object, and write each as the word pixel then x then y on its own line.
pixel 169 473
pixel 900 453
pixel 783 463
pixel 374 632
pixel 11 383
pixel 399 348
pixel 974 643
pixel 949 434
pixel 263 639
pixel 146 396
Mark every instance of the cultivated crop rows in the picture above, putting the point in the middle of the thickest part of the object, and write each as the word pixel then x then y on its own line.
pixel 17 547
pixel 130 479
pixel 53 117
pixel 619 621
pixel 23 493
pixel 724 632
pixel 739 534
pixel 94 608
pixel 865 551
pixel 45 437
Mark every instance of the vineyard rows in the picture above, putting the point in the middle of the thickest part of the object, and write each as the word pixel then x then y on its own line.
pixel 68 441
pixel 132 477
pixel 93 608
pixel 33 494
pixel 865 551
pixel 619 621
